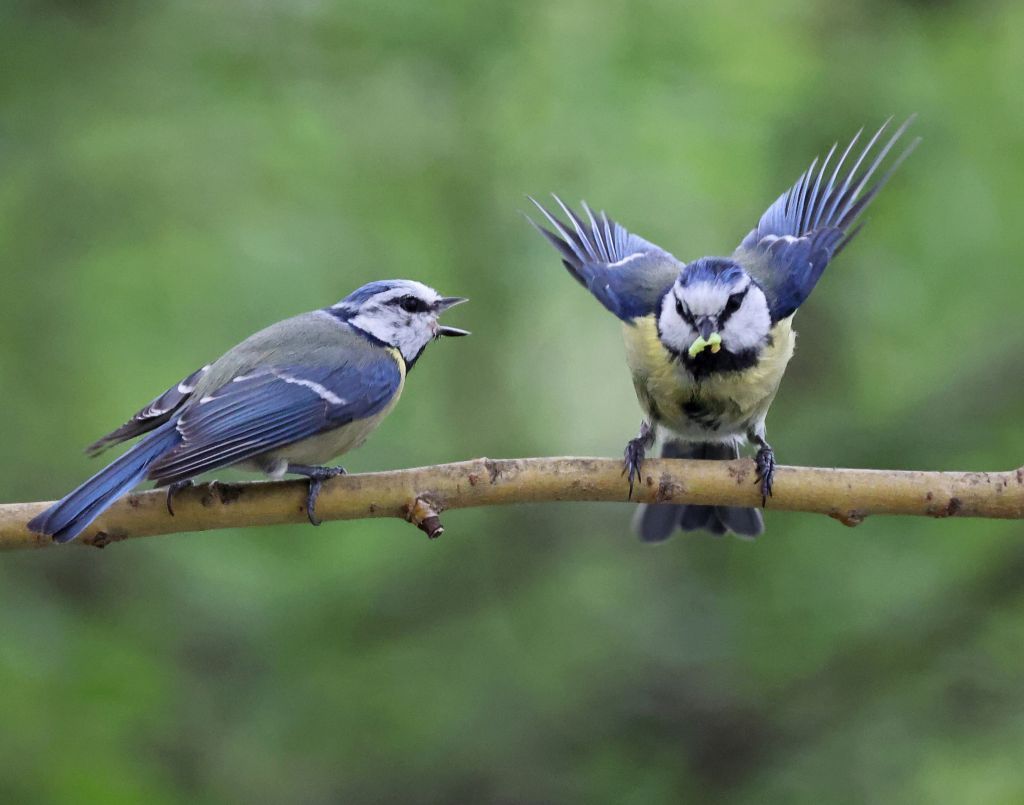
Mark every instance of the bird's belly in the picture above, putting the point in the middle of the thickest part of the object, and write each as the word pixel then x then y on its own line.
pixel 703 412
pixel 717 407
pixel 327 446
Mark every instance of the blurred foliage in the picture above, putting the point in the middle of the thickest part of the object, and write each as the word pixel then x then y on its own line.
pixel 179 174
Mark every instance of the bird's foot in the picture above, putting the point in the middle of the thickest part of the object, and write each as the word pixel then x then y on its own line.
pixel 635 453
pixel 765 462
pixel 317 476
pixel 174 489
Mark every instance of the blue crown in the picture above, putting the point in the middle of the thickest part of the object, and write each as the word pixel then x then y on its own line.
pixel 368 291
pixel 713 270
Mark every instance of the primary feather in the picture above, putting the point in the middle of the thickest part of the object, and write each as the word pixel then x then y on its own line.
pixel 626 273
pixel 152 415
pixel 813 221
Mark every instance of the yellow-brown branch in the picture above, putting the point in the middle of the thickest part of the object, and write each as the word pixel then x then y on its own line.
pixel 420 495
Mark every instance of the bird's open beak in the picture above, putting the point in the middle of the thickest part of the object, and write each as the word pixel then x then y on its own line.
pixel 443 304
pixel 445 330
pixel 446 302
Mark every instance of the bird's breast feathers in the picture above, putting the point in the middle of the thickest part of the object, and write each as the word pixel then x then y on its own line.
pixel 717 406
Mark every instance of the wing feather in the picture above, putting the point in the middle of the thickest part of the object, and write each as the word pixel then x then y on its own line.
pixel 627 274
pixel 274 407
pixel 814 220
pixel 154 414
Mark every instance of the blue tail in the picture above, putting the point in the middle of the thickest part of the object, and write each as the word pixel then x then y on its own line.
pixel 654 523
pixel 71 515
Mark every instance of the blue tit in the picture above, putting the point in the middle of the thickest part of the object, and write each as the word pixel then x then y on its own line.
pixel 287 399
pixel 707 342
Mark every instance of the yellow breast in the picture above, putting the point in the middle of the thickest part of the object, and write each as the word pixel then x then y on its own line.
pixel 725 403
pixel 397 356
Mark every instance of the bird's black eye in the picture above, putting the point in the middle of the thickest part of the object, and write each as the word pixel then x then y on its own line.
pixel 411 304
pixel 733 304
pixel 684 311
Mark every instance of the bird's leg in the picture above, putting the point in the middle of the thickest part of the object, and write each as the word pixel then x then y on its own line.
pixel 174 489
pixel 765 463
pixel 636 450
pixel 317 476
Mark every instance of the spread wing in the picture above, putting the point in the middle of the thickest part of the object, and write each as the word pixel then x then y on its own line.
pixel 154 414
pixel 811 222
pixel 274 407
pixel 627 274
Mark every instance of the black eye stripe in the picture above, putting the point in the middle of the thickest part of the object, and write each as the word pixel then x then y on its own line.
pixel 410 304
pixel 683 311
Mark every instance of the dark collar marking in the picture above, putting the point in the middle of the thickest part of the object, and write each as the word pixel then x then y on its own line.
pixel 727 313
pixel 709 363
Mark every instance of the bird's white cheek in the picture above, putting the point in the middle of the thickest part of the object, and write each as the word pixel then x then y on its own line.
pixel 747 328
pixel 412 339
pixel 676 333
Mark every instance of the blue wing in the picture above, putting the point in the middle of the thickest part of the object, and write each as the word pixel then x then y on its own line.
pixel 155 413
pixel 811 222
pixel 274 407
pixel 627 274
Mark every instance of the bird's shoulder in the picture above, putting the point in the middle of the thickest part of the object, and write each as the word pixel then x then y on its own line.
pixel 316 339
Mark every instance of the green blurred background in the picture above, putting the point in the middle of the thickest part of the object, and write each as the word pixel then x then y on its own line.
pixel 179 174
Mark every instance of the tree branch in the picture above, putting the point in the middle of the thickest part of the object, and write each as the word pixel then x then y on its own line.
pixel 420 495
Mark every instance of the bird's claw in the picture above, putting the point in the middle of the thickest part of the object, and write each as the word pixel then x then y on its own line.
pixel 765 463
pixel 634 454
pixel 174 489
pixel 316 480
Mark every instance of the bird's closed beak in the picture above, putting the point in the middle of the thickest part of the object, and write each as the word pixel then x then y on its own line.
pixel 708 337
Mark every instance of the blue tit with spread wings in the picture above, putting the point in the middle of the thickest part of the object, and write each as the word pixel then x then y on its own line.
pixel 287 399
pixel 708 341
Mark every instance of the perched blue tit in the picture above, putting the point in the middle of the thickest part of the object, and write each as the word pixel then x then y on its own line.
pixel 707 342
pixel 288 399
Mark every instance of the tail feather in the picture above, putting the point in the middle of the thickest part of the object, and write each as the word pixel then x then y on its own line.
pixel 656 523
pixel 73 513
pixel 697 518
